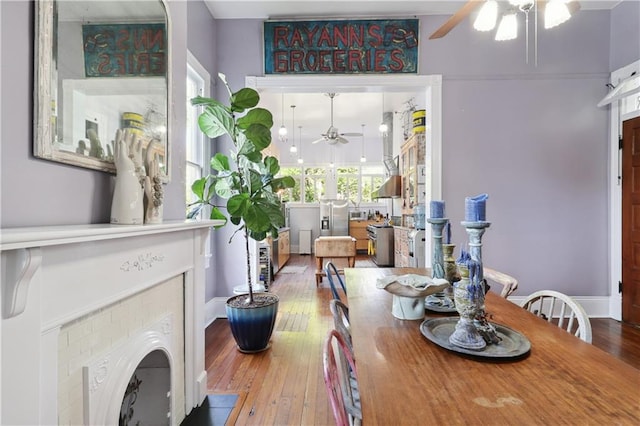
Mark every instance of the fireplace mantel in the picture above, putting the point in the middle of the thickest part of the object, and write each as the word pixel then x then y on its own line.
pixel 55 275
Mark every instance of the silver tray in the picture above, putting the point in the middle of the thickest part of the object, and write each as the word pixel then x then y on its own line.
pixel 512 345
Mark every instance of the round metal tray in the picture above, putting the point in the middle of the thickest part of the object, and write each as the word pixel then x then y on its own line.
pixel 438 307
pixel 512 345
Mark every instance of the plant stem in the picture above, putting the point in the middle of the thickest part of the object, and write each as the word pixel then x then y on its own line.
pixel 249 284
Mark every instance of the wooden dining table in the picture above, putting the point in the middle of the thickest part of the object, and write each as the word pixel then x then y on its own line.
pixel 406 378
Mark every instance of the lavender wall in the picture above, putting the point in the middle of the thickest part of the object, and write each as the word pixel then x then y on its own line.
pixel 625 41
pixel 530 137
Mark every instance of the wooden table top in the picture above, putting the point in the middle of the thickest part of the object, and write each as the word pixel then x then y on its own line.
pixel 404 378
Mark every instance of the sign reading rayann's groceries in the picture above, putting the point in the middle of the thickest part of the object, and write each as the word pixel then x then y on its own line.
pixel 341 46
pixel 124 50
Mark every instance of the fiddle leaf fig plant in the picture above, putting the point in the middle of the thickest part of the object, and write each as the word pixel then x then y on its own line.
pixel 246 178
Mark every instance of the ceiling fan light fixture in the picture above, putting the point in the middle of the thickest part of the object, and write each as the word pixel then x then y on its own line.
pixel 508 29
pixel 555 13
pixel 486 20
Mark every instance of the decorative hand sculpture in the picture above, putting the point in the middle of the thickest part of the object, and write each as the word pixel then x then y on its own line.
pixel 127 206
pixel 153 186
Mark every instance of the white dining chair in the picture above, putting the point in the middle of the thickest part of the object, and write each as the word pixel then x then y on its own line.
pixel 557 308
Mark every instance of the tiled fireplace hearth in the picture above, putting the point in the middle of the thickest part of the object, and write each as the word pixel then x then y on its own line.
pixel 86 307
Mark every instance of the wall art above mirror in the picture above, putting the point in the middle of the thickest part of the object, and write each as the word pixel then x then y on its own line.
pixel 100 66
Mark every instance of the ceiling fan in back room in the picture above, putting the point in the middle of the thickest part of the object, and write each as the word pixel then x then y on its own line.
pixel 555 12
pixel 332 136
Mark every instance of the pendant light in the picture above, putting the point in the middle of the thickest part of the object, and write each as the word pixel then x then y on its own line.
pixel 282 132
pixel 300 160
pixel 293 148
pixel 383 126
pixel 363 159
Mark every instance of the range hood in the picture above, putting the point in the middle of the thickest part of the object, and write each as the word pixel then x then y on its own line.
pixel 392 186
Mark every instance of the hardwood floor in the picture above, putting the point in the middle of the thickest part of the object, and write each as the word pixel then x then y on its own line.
pixel 284 385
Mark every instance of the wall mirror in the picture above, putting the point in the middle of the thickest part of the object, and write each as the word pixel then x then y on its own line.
pixel 100 66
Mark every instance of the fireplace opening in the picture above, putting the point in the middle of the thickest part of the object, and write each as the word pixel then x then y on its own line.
pixel 147 399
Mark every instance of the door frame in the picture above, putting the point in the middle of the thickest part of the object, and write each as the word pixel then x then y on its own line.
pixel 431 84
pixel 616 118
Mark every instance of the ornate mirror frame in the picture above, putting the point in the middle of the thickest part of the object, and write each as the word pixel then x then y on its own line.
pixel 70 100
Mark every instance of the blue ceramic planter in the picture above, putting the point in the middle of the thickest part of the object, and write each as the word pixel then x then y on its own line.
pixel 252 326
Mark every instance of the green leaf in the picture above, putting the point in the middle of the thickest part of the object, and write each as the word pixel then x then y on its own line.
pixel 254 156
pixel 237 204
pixel 256 116
pixel 254 181
pixel 216 122
pixel 224 187
pixel 217 214
pixel 272 165
pixel 200 100
pixel 282 183
pixel 198 187
pixel 259 135
pixel 220 162
pixel 244 99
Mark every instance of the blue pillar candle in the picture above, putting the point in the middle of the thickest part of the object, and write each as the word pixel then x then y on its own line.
pixel 447 237
pixel 436 209
pixel 475 208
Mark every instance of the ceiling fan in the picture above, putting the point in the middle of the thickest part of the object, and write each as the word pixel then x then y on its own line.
pixel 332 136
pixel 523 5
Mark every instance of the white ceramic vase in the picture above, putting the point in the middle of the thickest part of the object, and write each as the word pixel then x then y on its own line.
pixel 127 207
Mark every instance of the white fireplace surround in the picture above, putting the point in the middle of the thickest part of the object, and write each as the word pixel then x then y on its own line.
pixel 55 277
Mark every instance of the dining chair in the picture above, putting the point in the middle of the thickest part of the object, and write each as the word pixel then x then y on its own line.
pixel 344 405
pixel 548 304
pixel 509 283
pixel 331 269
pixel 340 313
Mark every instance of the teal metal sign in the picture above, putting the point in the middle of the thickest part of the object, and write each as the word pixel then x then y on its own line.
pixel 374 46
pixel 125 50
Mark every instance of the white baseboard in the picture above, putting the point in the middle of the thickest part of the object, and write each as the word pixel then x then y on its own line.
pixel 215 308
pixel 595 306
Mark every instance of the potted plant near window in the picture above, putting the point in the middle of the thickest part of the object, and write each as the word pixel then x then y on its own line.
pixel 247 180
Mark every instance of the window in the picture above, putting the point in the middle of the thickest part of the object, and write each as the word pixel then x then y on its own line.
pixel 347 187
pixel 197 85
pixel 314 184
pixel 371 177
pixel 292 194
pixel 354 183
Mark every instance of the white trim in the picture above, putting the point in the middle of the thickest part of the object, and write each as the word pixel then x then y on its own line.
pixel 216 308
pixel 594 306
pixel 431 84
pixel 615 196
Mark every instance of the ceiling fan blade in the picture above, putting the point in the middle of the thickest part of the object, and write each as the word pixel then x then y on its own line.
pixel 350 134
pixel 450 24
pixel 322 139
pixel 341 139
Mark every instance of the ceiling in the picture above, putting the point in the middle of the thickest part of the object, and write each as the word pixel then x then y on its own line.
pixel 266 9
pixel 351 110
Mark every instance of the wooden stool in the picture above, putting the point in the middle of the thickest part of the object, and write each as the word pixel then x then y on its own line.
pixel 333 247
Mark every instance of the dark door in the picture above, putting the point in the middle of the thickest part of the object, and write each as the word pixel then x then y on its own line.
pixel 631 221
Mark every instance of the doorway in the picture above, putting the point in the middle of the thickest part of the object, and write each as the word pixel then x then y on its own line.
pixel 631 221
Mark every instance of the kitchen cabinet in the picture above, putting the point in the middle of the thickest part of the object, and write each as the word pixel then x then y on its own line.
pixel 284 247
pixel 358 230
pixel 412 170
pixel 401 246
